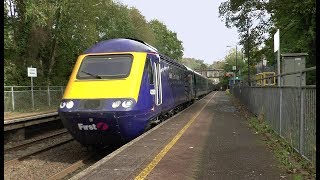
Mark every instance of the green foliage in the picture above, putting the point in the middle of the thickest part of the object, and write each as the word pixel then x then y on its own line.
pixel 141 28
pixel 229 61
pixel 295 19
pixel 193 63
pixel 50 35
pixel 282 150
pixel 166 40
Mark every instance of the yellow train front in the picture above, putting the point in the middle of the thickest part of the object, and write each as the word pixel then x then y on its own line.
pixel 117 87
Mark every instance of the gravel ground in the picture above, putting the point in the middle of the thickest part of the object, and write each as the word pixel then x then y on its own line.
pixel 35 147
pixel 14 143
pixel 46 164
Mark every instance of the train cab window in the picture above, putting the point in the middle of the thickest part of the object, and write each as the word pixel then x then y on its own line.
pixel 149 70
pixel 105 67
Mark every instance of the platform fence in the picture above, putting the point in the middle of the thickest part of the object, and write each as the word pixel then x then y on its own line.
pixel 290 110
pixel 26 99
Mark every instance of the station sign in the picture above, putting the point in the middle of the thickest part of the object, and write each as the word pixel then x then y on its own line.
pixel 32 72
pixel 264 62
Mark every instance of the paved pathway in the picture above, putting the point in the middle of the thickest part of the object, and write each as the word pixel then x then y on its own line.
pixel 218 145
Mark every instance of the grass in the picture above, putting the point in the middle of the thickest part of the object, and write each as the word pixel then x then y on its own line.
pixel 292 161
pixel 228 92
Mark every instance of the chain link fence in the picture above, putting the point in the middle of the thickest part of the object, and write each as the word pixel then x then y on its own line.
pixel 290 110
pixel 25 98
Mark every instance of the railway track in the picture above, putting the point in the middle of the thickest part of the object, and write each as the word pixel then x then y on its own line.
pixel 65 167
pixel 88 160
pixel 93 157
pixel 72 168
pixel 15 160
pixel 35 140
pixel 22 128
pixel 20 154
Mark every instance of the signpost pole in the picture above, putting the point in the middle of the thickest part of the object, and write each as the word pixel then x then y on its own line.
pixel 234 78
pixel 236 61
pixel 276 39
pixel 32 95
pixel 277 48
pixel 32 72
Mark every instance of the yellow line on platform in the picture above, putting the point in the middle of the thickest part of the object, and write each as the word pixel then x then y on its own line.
pixel 143 174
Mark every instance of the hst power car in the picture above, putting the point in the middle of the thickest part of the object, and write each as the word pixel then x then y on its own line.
pixel 119 87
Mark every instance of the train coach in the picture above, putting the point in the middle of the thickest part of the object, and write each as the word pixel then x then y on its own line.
pixel 119 87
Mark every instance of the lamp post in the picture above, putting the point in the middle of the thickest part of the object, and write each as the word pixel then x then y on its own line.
pixel 248 51
pixel 236 70
pixel 236 66
pixel 226 63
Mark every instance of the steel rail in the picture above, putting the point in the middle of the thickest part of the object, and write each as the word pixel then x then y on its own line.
pixel 70 169
pixel 20 146
pixel 13 161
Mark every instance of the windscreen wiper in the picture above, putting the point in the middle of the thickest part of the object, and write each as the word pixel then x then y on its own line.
pixel 93 75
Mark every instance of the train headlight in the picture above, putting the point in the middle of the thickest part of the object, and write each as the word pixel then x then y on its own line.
pixel 127 103
pixel 62 105
pixel 116 104
pixel 69 104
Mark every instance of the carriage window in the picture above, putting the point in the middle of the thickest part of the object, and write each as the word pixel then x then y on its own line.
pixel 105 67
pixel 149 70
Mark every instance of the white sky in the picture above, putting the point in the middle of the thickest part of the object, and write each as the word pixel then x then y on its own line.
pixel 197 25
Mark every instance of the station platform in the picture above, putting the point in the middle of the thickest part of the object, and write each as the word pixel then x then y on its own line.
pixel 20 115
pixel 208 140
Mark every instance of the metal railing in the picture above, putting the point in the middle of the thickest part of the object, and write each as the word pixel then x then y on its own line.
pixel 25 98
pixel 290 110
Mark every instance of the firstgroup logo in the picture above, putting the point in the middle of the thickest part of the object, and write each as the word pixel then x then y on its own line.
pixel 102 126
pixel 93 127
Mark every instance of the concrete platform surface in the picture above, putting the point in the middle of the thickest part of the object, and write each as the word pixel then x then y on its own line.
pixel 208 140
pixel 8 116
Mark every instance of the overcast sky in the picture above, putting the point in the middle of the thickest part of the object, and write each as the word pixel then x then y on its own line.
pixel 196 23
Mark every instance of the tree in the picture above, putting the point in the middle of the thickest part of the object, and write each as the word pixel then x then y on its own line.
pixel 295 19
pixel 228 62
pixel 50 35
pixel 193 63
pixel 166 40
pixel 141 28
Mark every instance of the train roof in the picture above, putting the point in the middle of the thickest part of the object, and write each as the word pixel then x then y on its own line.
pixel 127 45
pixel 194 71
pixel 200 74
pixel 131 45
pixel 188 68
pixel 121 45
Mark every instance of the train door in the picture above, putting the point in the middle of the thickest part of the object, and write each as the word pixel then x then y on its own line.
pixel 195 85
pixel 155 78
pixel 191 83
pixel 158 81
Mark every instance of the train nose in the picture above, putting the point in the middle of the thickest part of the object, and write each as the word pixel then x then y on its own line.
pixel 92 128
pixel 98 126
